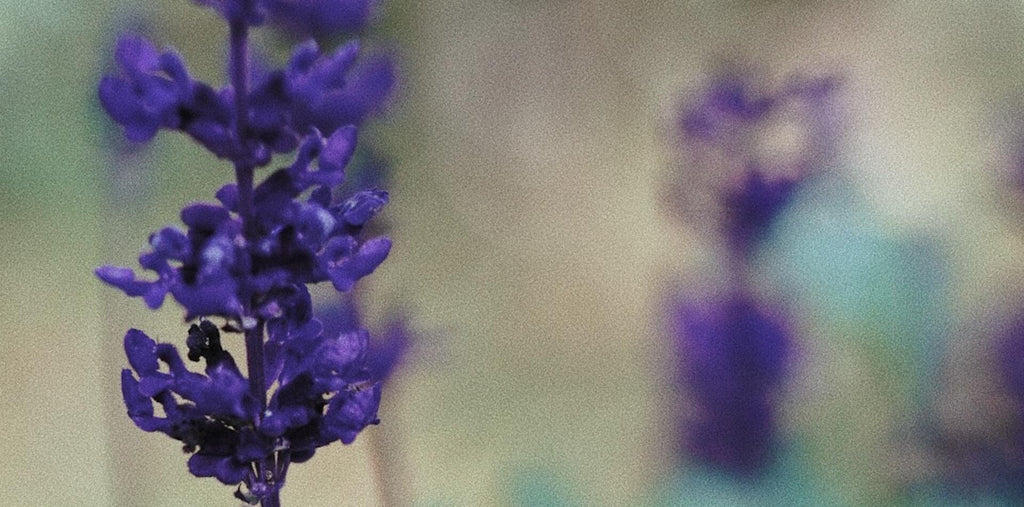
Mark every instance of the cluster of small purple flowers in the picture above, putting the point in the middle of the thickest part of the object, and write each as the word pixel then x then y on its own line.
pixel 734 349
pixel 247 260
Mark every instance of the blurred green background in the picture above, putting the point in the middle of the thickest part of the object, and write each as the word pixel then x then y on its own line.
pixel 530 142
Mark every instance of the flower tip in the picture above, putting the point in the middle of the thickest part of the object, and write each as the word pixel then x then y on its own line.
pixel 339 148
pixel 136 53
pixel 114 274
pixel 141 351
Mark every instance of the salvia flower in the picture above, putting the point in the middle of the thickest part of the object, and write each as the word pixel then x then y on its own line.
pixel 247 259
pixel 733 356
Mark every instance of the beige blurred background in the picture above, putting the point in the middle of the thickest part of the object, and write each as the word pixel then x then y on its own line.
pixel 529 144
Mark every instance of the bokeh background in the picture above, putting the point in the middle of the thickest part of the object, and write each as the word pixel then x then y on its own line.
pixel 530 146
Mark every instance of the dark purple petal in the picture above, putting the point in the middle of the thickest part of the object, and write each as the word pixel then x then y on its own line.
pixel 343 352
pixel 119 101
pixel 370 255
pixel 141 352
pixel 124 279
pixel 349 412
pixel 174 66
pixel 136 54
pixel 169 355
pixel 171 243
pixel 335 91
pixel 285 418
pixel 339 149
pixel 154 296
pixel 221 394
pixel 224 468
pixel 228 196
pixel 155 384
pixel 303 57
pixel 329 71
pixel 252 447
pixel 138 404
pixel 314 224
pixel 321 197
pixel 752 207
pixel 362 206
pixel 217 296
pixel 204 216
pixel 310 149
pixel 213 134
pixel 367 90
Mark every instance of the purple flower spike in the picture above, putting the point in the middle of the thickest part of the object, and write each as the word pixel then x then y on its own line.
pixel 246 260
pixel 733 360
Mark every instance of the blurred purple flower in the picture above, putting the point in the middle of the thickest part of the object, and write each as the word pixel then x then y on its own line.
pixel 789 131
pixel 751 150
pixel 1011 369
pixel 733 359
pixel 317 18
pixel 384 354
